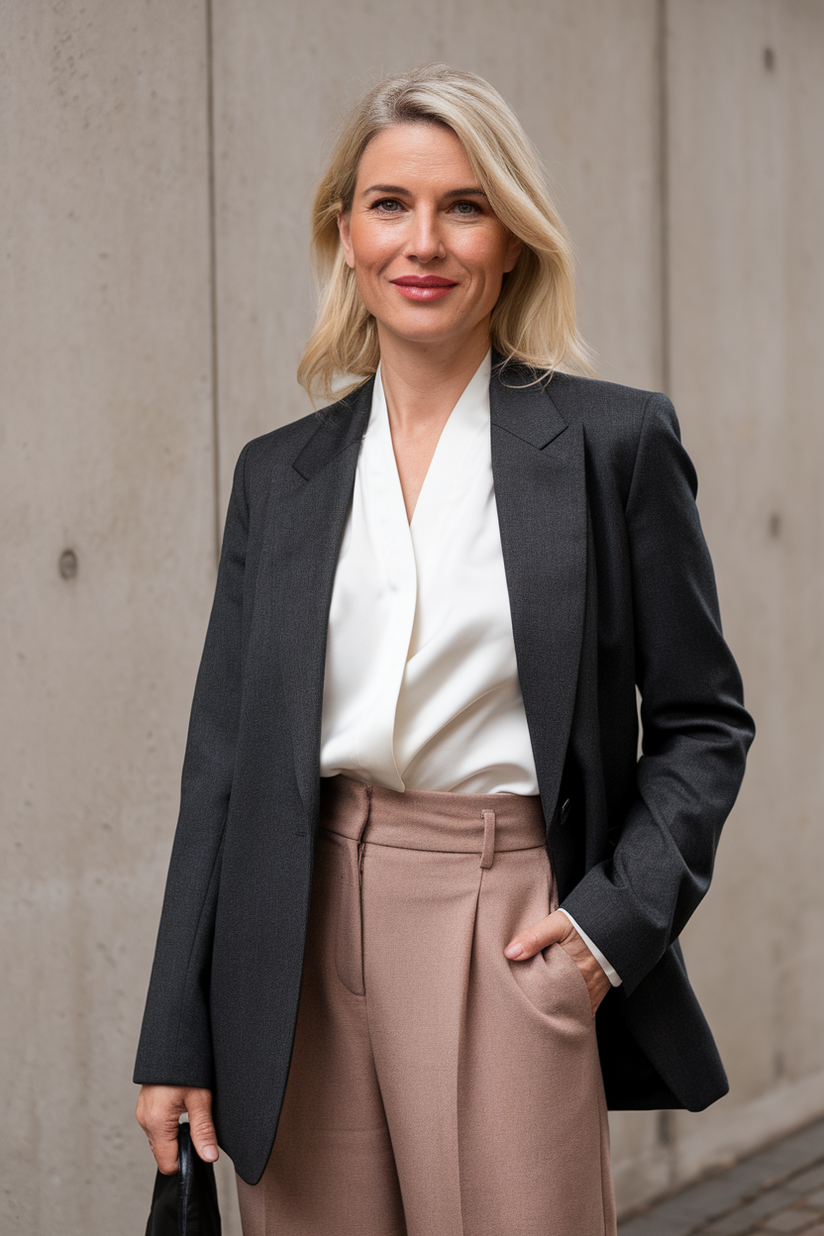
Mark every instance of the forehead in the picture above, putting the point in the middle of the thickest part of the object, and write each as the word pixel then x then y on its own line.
pixel 420 151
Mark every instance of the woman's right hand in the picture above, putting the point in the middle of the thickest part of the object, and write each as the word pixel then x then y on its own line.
pixel 159 1109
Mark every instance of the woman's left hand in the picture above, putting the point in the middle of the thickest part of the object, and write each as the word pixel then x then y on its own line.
pixel 557 929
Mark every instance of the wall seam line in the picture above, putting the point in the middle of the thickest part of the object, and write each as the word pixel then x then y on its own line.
pixel 664 197
pixel 213 325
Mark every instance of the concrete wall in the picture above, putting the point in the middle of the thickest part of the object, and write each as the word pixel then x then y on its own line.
pixel 745 188
pixel 106 453
pixel 159 160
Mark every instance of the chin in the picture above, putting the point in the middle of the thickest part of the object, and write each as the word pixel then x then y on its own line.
pixel 424 331
pixel 426 338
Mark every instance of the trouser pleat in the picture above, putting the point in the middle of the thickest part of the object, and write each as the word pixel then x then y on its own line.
pixel 417 953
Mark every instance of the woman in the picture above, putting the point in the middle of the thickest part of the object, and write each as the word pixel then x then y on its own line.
pixel 434 604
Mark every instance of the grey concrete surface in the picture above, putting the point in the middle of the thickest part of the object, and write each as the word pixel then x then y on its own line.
pixel 106 451
pixel 154 223
pixel 745 182
pixel 780 1188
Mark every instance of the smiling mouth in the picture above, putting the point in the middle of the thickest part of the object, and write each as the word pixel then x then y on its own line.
pixel 423 287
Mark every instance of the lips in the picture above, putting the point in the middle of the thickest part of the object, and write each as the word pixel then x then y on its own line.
pixel 423 287
pixel 424 281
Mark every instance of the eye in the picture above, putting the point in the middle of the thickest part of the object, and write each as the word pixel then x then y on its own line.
pixel 467 209
pixel 388 205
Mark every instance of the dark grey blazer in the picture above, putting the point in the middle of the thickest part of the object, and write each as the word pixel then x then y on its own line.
pixel 610 584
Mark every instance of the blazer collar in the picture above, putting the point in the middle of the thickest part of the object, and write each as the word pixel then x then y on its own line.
pixel 523 406
pixel 339 426
pixel 518 404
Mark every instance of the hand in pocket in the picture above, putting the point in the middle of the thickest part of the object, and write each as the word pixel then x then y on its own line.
pixel 557 929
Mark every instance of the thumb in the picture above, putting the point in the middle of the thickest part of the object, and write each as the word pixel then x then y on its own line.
pixel 550 930
pixel 199 1107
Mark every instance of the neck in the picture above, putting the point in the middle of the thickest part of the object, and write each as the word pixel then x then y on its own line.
pixel 423 382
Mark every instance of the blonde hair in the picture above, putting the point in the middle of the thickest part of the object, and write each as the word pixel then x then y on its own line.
pixel 533 321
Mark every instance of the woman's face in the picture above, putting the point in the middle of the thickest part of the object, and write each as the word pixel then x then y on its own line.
pixel 428 253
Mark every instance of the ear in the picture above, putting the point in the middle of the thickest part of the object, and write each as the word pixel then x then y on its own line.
pixel 346 238
pixel 513 252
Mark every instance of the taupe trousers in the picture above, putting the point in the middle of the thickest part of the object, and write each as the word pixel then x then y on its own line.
pixel 436 1088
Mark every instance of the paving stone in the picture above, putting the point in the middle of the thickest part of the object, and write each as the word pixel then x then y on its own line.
pixel 767 1231
pixel 813 1178
pixel 806 1146
pixel 713 1207
pixel 744 1217
pixel 734 1224
pixel 817 1230
pixel 796 1219
pixel 673 1217
pixel 768 1203
pixel 815 1199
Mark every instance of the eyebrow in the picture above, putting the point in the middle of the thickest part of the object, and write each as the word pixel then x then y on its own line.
pixel 400 190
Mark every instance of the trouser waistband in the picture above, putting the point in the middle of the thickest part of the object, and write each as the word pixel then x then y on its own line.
pixel 431 820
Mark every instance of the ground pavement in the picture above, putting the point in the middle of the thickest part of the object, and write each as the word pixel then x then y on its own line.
pixel 777 1190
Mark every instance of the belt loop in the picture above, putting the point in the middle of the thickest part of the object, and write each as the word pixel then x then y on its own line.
pixel 367 811
pixel 488 852
pixel 361 831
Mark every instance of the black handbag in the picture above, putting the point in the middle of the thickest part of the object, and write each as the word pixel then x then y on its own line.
pixel 185 1204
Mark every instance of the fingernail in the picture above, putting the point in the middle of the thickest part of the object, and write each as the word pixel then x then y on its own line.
pixel 513 950
pixel 210 1153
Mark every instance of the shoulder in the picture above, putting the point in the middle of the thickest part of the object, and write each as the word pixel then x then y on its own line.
pixel 607 409
pixel 608 412
pixel 627 434
pixel 632 437
pixel 281 448
pixel 620 424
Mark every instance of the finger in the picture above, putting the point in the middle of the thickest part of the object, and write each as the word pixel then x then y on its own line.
pixel 163 1143
pixel 199 1106
pixel 550 930
pixel 158 1110
pixel 598 990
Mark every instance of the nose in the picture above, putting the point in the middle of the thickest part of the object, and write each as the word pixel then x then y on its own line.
pixel 424 242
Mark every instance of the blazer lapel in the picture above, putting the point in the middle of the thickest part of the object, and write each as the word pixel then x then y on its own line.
pixel 307 532
pixel 540 491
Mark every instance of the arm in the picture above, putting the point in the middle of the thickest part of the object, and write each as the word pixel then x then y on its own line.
pixel 175 1044
pixel 695 729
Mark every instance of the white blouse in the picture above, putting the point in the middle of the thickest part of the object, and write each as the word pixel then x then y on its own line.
pixel 421 690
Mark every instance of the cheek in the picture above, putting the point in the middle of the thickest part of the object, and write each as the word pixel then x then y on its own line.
pixel 486 253
pixel 487 260
pixel 367 266
pixel 368 249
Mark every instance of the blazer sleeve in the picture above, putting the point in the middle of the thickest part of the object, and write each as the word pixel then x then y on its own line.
pixel 696 731
pixel 175 1042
